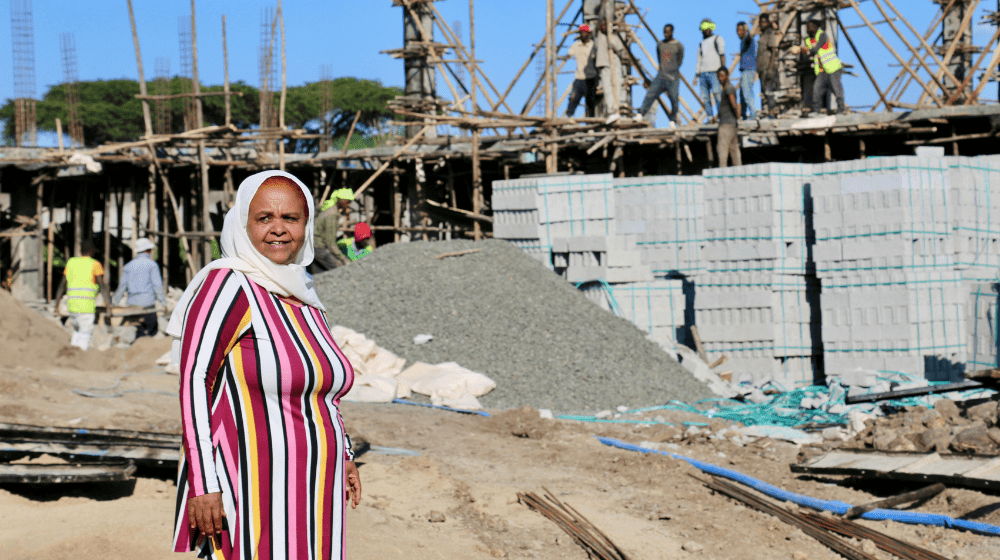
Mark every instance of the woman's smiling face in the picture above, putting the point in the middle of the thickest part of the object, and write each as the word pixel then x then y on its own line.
pixel 276 222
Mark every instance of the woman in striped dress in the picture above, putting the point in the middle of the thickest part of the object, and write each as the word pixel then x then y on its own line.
pixel 267 467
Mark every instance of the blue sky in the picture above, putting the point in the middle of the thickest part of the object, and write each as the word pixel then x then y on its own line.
pixel 349 35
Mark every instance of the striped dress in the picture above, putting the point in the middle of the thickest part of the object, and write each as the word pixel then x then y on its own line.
pixel 261 378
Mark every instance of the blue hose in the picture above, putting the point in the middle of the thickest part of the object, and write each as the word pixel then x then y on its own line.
pixel 913 518
pixel 479 412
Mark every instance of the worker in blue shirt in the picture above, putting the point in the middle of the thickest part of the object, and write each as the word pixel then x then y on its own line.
pixel 142 283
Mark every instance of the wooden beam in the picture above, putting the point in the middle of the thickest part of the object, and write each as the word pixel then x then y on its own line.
pixel 284 90
pixel 225 70
pixel 195 84
pixel 351 131
pixel 146 116
pixel 387 162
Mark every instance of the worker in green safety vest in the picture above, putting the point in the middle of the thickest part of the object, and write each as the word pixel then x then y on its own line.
pixel 328 254
pixel 359 247
pixel 826 65
pixel 82 278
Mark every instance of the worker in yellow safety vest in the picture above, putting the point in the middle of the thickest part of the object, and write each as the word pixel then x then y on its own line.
pixel 82 279
pixel 827 66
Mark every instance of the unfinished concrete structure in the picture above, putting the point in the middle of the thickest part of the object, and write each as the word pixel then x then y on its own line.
pixel 175 188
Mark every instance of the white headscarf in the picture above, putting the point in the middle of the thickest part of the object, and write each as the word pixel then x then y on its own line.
pixel 239 254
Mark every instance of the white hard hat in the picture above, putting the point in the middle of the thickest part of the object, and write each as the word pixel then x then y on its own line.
pixel 142 245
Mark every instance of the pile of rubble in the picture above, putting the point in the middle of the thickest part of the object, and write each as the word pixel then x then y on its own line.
pixel 948 427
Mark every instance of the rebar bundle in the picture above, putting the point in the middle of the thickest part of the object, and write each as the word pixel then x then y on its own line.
pixel 596 543
pixel 22 29
pixel 67 45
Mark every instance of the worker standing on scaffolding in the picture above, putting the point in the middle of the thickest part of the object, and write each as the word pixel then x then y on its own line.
pixel 585 82
pixel 767 62
pixel 711 57
pixel 748 70
pixel 827 67
pixel 609 50
pixel 728 145
pixel 668 79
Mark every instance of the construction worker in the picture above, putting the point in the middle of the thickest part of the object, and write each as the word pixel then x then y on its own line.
pixel 748 70
pixel 327 253
pixel 711 57
pixel 729 141
pixel 826 65
pixel 668 79
pixel 767 61
pixel 585 82
pixel 82 278
pixel 359 247
pixel 142 282
pixel 609 67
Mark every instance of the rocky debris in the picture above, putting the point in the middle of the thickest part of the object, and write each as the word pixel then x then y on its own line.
pixel 948 427
pixel 501 313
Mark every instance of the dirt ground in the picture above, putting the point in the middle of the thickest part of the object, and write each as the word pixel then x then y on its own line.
pixel 453 495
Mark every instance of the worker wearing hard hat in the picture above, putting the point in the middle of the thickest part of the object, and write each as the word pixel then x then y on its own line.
pixel 711 57
pixel 82 278
pixel 328 255
pixel 359 247
pixel 142 283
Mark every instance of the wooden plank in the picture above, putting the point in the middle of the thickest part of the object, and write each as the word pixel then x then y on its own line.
pixel 952 470
pixel 64 474
pixel 904 498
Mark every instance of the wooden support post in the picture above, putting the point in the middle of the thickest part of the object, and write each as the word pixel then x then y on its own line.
pixel 397 206
pixel 50 246
pixel 106 226
pixel 195 84
pixel 284 91
pixel 863 65
pixel 134 208
pixel 827 154
pixel 59 135
pixel 710 152
pixel 169 193
pixel 225 83
pixel 677 155
pixel 350 132
pixel 477 184
pixel 146 116
pixel 861 149
pixel 912 72
pixel 550 86
pixel 389 161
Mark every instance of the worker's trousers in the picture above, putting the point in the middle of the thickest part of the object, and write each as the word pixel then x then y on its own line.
pixel 728 145
pixel 748 108
pixel 710 86
pixel 659 85
pixel 832 83
pixel 83 329
pixel 581 88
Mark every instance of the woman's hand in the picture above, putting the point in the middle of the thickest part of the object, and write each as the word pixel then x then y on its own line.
pixel 352 482
pixel 205 514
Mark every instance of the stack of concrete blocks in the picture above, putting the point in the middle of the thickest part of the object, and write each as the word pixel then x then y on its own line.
pixel 983 326
pixel 531 212
pixel 612 258
pixel 656 307
pixel 758 301
pixel 667 214
pixel 896 296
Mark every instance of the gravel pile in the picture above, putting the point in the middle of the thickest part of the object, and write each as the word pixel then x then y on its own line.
pixel 502 313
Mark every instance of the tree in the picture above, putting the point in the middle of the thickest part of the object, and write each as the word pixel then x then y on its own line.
pixel 110 112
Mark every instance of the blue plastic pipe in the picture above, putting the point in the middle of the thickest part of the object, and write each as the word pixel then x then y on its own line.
pixel 913 518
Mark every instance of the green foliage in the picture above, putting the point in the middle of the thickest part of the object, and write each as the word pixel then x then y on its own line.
pixel 110 112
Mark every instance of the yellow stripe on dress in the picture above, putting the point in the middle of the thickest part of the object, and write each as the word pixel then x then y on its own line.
pixel 317 411
pixel 251 428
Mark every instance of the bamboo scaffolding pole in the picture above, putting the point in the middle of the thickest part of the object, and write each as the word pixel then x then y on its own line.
pixel 195 84
pixel 477 181
pixel 989 69
pixel 927 35
pixel 50 247
pixel 847 36
pixel 225 70
pixel 389 161
pixel 928 89
pixel 147 118
pixel 966 20
pixel 920 60
pixel 351 131
pixel 549 61
pixel 284 90
pixel 443 25
pixel 942 67
pixel 538 47
pixel 972 73
pixel 59 133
